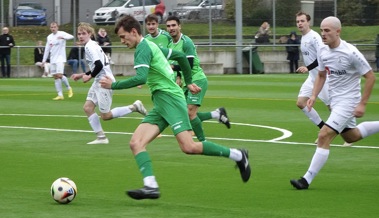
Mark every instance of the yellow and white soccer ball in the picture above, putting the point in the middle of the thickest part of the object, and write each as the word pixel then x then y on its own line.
pixel 63 190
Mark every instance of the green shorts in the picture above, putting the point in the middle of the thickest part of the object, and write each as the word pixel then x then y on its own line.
pixel 196 99
pixel 169 110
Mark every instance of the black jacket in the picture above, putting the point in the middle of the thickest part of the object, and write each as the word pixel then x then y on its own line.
pixel 5 40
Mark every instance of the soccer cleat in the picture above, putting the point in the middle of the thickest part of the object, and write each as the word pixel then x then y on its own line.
pixel 99 141
pixel 58 98
pixel 244 166
pixel 316 141
pixel 223 117
pixel 70 93
pixel 300 183
pixel 346 144
pixel 144 193
pixel 140 108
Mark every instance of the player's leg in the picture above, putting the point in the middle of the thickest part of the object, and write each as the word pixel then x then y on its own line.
pixel 174 112
pixel 218 114
pixel 142 136
pixel 57 81
pixel 104 97
pixel 8 61
pixel 335 124
pixel 93 118
pixel 60 71
pixel 304 94
pixel 194 101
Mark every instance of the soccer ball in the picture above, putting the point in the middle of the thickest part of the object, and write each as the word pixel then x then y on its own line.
pixel 63 190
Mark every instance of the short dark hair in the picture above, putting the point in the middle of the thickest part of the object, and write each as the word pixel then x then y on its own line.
pixel 173 18
pixel 128 22
pixel 151 17
pixel 308 17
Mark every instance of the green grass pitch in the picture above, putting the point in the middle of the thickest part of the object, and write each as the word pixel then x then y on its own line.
pixel 41 140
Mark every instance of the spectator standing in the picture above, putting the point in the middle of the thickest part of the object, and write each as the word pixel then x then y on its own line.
pixel 293 52
pixel 377 53
pixel 7 41
pixel 38 57
pixel 105 43
pixel 76 57
pixel 56 49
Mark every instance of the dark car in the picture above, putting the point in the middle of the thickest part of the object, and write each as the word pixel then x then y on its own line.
pixel 30 14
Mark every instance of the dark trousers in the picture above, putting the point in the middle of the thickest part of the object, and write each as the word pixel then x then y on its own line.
pixel 5 58
pixel 294 63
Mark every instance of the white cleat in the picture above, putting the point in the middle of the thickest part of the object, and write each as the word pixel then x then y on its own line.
pixel 99 141
pixel 346 144
pixel 316 141
pixel 140 108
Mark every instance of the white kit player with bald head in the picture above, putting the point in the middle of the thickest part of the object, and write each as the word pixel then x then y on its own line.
pixel 344 65
pixel 98 63
pixel 56 49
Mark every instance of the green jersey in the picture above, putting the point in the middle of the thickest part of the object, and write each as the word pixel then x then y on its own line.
pixel 153 69
pixel 162 39
pixel 186 46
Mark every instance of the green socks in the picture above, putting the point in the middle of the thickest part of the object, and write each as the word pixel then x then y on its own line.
pixel 204 115
pixel 213 149
pixel 197 128
pixel 144 164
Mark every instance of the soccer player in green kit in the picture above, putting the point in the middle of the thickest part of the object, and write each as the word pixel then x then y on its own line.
pixel 160 37
pixel 170 107
pixel 183 43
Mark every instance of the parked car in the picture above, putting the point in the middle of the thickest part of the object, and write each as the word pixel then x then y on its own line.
pixel 195 9
pixel 30 13
pixel 109 13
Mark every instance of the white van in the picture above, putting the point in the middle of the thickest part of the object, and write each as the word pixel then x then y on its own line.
pixel 116 8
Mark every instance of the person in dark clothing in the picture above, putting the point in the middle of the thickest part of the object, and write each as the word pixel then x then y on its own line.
pixel 6 43
pixel 105 43
pixel 38 57
pixel 73 59
pixel 293 52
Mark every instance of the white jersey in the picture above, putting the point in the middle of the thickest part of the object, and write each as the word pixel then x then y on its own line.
pixel 310 46
pixel 94 52
pixel 344 66
pixel 56 47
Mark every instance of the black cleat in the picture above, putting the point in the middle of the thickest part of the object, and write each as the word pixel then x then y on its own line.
pixel 244 166
pixel 300 183
pixel 144 193
pixel 223 117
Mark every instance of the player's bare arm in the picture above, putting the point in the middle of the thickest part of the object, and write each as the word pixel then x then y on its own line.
pixel 369 85
pixel 106 82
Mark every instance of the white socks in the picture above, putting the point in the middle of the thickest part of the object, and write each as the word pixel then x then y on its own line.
pixel 94 122
pixel 215 114
pixel 312 115
pixel 121 111
pixel 368 128
pixel 235 154
pixel 319 159
pixel 150 182
pixel 65 81
pixel 58 86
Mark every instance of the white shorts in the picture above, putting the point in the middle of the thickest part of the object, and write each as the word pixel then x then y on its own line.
pixel 100 97
pixel 57 68
pixel 306 91
pixel 342 116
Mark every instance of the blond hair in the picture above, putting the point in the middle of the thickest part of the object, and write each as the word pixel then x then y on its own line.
pixel 86 27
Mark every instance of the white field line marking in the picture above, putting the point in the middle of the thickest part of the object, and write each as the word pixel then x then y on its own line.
pixel 286 133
